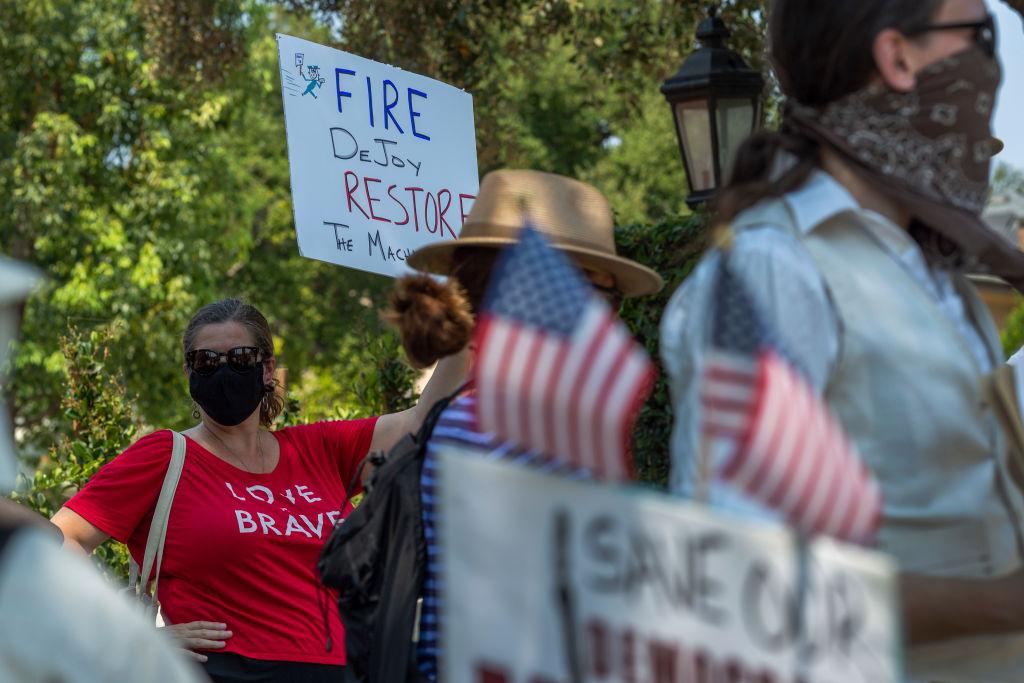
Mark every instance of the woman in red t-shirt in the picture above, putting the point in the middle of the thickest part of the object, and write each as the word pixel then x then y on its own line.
pixel 252 509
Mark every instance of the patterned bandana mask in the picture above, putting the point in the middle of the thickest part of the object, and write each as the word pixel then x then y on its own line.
pixel 929 149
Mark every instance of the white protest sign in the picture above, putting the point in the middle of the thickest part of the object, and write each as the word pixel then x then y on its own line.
pixel 662 591
pixel 383 161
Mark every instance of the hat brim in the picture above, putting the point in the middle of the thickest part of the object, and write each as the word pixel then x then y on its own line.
pixel 631 278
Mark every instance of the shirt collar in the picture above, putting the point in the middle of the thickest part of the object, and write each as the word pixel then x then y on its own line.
pixel 817 200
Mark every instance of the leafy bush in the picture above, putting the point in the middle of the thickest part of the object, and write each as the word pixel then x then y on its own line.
pixel 672 248
pixel 102 423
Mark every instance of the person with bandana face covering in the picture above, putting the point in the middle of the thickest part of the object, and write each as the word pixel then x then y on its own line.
pixel 238 583
pixel 854 226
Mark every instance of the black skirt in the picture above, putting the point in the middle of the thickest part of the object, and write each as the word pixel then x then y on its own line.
pixel 228 667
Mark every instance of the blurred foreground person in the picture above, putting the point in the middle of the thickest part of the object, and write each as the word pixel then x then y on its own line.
pixel 436 320
pixel 855 224
pixel 59 620
pixel 252 509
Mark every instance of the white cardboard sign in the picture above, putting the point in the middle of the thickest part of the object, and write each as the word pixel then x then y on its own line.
pixel 662 590
pixel 383 161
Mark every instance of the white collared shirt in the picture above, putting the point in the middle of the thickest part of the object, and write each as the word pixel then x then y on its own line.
pixel 793 301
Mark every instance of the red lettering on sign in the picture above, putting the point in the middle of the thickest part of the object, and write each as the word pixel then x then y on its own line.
pixel 370 200
pixel 462 206
pixel 444 202
pixel 664 661
pixel 396 200
pixel 349 189
pixel 488 673
pixel 599 649
pixel 415 214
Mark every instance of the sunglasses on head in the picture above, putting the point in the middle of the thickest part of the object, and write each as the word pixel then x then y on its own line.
pixel 206 361
pixel 984 31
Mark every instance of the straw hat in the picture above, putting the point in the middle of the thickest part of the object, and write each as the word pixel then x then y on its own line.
pixel 575 215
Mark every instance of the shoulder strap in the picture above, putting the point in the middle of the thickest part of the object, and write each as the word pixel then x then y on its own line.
pixel 158 527
pixel 430 421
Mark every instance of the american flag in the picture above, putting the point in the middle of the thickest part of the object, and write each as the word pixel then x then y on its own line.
pixel 556 372
pixel 789 452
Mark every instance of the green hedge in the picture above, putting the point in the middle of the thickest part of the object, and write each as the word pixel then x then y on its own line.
pixel 672 248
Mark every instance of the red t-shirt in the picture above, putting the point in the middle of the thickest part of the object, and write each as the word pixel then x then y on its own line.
pixel 241 547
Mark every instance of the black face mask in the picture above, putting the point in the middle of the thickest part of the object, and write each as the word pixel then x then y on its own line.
pixel 227 396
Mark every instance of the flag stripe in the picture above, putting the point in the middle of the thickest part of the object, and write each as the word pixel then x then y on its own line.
pixel 556 372
pixel 581 446
pixel 623 405
pixel 521 380
pixel 538 424
pixel 570 370
pixel 607 444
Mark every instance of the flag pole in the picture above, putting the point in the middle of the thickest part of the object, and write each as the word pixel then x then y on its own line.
pixel 564 596
pixel 703 493
pixel 721 238
pixel 802 650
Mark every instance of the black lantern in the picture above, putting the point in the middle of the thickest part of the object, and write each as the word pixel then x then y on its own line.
pixel 716 103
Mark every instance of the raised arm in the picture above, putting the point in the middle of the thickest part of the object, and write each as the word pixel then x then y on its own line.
pixel 450 373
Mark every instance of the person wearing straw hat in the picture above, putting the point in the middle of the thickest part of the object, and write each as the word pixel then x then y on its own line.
pixel 59 619
pixel 436 320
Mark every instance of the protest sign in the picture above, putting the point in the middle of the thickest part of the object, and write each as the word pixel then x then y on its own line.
pixel 382 160
pixel 659 590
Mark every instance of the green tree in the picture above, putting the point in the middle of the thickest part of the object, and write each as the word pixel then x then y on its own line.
pixel 143 165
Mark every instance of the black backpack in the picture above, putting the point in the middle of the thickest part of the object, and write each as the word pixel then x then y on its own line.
pixel 375 561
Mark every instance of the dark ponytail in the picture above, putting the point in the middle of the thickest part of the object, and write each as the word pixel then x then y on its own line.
pixel 821 51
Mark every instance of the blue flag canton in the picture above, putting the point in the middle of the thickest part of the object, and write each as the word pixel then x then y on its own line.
pixel 736 324
pixel 536 285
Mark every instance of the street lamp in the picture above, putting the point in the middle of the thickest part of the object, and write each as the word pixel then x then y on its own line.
pixel 716 103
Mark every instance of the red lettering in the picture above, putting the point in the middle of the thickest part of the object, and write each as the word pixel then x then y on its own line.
pixel 370 200
pixel 734 672
pixel 489 673
pixel 628 657
pixel 415 214
pixel 442 209
pixel 400 204
pixel 462 207
pixel 664 662
pixel 598 648
pixel 349 189
pixel 427 213
pixel 701 667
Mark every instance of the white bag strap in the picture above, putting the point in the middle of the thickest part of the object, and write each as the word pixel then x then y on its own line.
pixel 158 527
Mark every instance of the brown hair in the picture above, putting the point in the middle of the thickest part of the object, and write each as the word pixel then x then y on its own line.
pixel 821 51
pixel 436 319
pixel 237 311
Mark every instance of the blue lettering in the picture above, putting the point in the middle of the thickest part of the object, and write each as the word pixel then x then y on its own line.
pixel 389 105
pixel 337 85
pixel 413 114
pixel 369 99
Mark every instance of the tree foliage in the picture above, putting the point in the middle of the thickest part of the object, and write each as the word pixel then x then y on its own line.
pixel 143 166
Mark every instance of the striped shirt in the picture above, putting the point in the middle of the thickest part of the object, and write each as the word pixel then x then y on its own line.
pixel 457 426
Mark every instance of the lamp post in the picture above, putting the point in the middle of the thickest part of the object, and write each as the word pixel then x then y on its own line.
pixel 716 103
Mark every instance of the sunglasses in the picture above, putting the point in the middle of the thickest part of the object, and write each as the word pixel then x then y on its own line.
pixel 206 361
pixel 984 32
